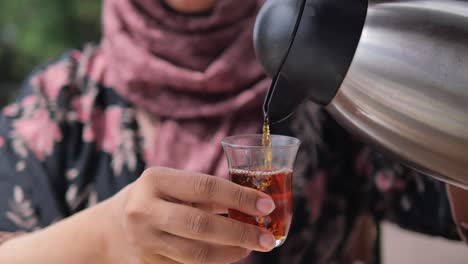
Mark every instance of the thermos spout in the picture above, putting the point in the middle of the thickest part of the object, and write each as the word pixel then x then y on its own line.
pixel 280 103
pixel 307 46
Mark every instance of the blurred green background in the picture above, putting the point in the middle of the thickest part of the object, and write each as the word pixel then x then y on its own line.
pixel 35 31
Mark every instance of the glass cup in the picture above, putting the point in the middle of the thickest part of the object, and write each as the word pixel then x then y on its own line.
pixel 248 167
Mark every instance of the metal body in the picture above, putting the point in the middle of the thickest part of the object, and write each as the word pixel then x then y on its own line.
pixel 407 87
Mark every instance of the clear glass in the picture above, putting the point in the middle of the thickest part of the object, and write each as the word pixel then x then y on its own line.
pixel 246 158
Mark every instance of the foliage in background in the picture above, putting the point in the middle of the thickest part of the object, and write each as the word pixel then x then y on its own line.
pixel 35 31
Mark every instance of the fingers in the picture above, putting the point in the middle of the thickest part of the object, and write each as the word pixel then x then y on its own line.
pixel 196 224
pixel 212 208
pixel 184 250
pixel 205 189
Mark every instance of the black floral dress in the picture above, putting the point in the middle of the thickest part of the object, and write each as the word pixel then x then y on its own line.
pixel 65 145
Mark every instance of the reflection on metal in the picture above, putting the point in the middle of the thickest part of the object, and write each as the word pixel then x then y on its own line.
pixel 407 87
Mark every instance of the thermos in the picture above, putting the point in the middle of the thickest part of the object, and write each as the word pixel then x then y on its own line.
pixel 394 72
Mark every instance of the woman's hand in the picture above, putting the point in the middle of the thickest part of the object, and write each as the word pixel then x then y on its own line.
pixel 167 216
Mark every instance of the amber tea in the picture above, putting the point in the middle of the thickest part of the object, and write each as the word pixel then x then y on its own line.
pixel 265 163
pixel 266 142
pixel 277 184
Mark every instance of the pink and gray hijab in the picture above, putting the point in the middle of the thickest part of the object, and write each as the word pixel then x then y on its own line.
pixel 198 75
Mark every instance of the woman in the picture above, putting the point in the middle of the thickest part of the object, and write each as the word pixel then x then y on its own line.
pixel 169 81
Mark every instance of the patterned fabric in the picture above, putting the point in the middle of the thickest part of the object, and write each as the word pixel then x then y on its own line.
pixel 68 144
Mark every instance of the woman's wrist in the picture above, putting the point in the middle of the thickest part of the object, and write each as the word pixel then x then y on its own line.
pixel 5 236
pixel 78 239
pixel 112 240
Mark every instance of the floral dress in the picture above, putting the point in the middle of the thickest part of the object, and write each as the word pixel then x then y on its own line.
pixel 68 144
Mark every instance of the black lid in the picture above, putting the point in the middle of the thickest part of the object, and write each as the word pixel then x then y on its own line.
pixel 308 45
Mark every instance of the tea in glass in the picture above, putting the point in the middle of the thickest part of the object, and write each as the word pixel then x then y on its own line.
pixel 269 169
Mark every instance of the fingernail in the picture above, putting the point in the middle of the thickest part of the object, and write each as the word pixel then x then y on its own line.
pixel 265 206
pixel 267 241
